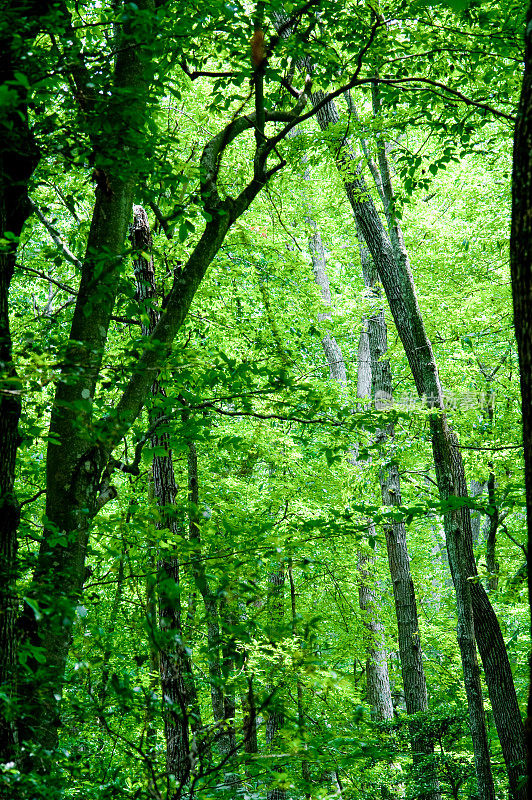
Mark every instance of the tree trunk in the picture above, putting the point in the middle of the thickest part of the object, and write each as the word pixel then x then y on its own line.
pixel 492 564
pixel 74 464
pixel 275 719
pixel 377 678
pixel 378 683
pixel 19 157
pixel 410 652
pixel 177 680
pixel 150 720
pixel 521 267
pixel 223 706
pixel 375 379
pixel 397 281
pixel 305 767
pixel 475 490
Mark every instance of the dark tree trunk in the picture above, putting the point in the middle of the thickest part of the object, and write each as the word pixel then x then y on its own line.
pixel 249 724
pixel 74 465
pixel 492 564
pixel 305 766
pixel 19 157
pixel 521 266
pixel 177 680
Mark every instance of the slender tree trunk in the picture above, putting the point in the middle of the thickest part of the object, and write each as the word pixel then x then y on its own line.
pixel 108 651
pixel 331 348
pixel 305 766
pixel 150 720
pixel 275 719
pixel 521 267
pixel 249 724
pixel 229 657
pixel 377 678
pixel 177 682
pixel 222 707
pixel 410 652
pixel 475 490
pixel 491 539
pixel 228 664
pixel 396 278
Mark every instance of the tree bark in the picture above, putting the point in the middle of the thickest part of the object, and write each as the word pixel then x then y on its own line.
pixel 521 269
pixel 74 465
pixel 378 683
pixel 396 277
pixel 177 680
pixel 19 157
pixel 275 719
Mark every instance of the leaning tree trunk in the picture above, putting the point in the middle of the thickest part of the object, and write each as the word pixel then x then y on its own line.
pixel 472 600
pixel 375 378
pixel 79 462
pixel 521 266
pixel 377 678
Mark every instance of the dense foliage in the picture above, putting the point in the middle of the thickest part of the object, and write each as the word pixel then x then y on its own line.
pixel 231 524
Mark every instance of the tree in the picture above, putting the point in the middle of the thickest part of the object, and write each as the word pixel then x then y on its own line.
pixel 521 266
pixel 19 158
pixel 131 103
pixel 394 272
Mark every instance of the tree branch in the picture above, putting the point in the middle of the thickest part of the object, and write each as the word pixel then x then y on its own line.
pixel 63 286
pixel 68 254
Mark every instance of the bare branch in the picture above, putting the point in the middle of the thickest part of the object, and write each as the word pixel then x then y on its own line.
pixel 32 499
pixel 63 286
pixel 68 254
pixel 258 415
